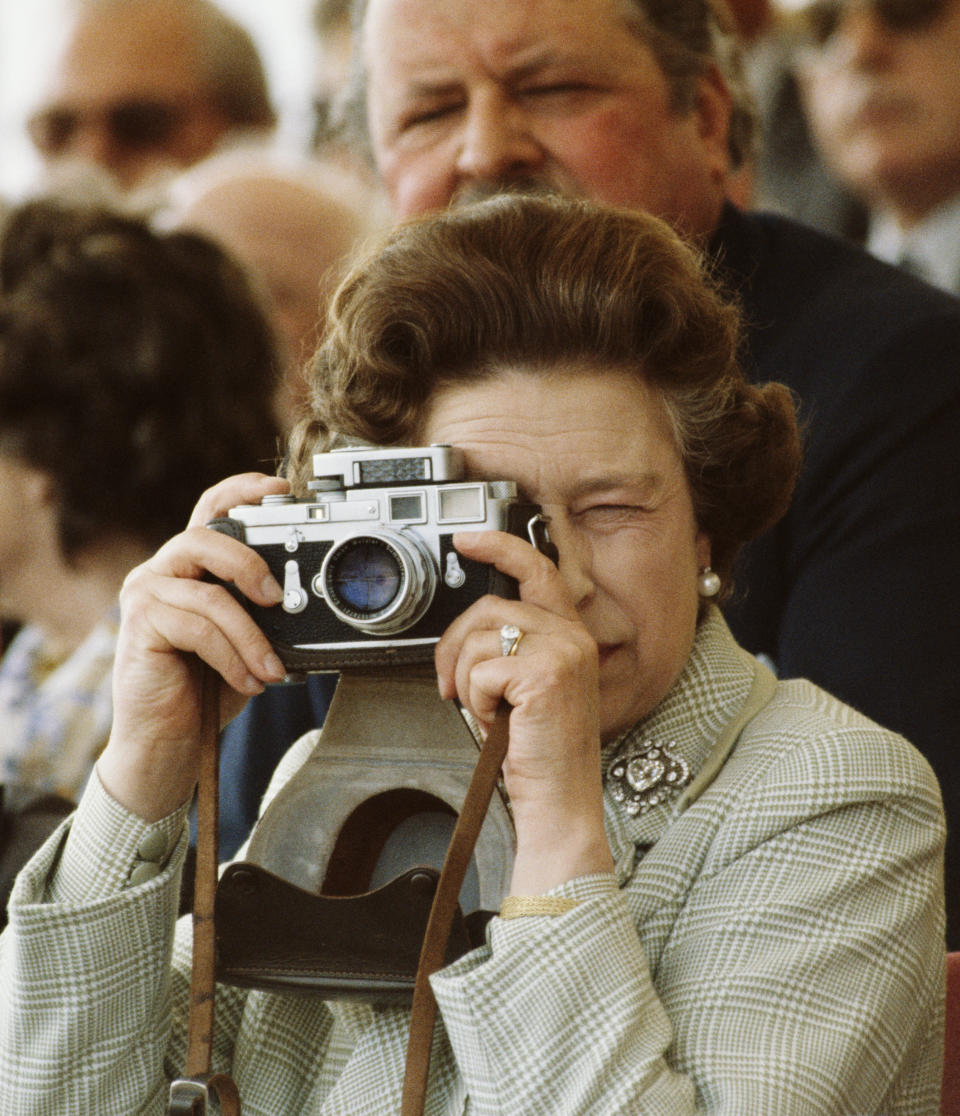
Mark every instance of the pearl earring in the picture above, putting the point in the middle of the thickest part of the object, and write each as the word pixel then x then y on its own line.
pixel 708 583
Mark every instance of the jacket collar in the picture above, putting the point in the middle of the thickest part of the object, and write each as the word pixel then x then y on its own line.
pixel 710 695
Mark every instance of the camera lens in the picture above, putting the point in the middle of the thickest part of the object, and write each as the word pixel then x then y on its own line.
pixel 365 576
pixel 381 582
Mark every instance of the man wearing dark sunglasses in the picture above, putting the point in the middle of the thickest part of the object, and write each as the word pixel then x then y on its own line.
pixel 143 85
pixel 881 82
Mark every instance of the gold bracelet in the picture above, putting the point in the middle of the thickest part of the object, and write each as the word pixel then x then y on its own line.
pixel 524 906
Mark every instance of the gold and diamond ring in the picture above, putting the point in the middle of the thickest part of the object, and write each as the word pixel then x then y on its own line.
pixel 510 636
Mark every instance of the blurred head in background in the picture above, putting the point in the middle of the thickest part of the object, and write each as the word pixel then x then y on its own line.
pixel 881 84
pixel 291 225
pixel 137 87
pixel 135 369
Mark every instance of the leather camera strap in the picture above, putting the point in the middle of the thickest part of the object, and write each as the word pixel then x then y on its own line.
pixel 424 1009
pixel 188 1095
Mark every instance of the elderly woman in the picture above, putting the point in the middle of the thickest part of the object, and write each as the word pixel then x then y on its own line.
pixel 736 882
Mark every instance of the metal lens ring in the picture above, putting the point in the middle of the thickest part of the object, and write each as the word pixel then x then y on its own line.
pixel 381 582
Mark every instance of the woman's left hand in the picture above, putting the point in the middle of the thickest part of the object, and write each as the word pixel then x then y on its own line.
pixel 552 770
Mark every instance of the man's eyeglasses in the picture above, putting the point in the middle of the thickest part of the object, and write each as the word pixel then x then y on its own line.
pixel 134 125
pixel 822 19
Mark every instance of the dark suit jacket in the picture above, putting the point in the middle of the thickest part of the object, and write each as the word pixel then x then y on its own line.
pixel 856 589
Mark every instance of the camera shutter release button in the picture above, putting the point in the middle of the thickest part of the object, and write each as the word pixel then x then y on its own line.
pixel 294 595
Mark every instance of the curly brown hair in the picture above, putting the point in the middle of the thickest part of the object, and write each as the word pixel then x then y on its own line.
pixel 135 369
pixel 540 284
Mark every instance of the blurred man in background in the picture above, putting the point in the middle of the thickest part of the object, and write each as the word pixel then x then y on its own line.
pixel 139 87
pixel 789 175
pixel 881 83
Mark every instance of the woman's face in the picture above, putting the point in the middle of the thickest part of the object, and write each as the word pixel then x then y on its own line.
pixel 596 450
pixel 28 534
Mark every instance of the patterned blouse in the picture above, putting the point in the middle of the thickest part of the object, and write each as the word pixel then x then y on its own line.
pixel 55 710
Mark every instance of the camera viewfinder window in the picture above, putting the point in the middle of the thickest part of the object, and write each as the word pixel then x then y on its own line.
pixel 394 470
pixel 462 504
pixel 407 508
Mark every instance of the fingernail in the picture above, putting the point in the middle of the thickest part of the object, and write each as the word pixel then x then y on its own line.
pixel 271 590
pixel 273 666
pixel 252 686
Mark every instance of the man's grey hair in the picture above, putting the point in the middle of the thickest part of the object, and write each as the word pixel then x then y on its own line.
pixel 687 37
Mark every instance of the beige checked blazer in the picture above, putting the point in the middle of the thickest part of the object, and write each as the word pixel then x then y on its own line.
pixel 774 948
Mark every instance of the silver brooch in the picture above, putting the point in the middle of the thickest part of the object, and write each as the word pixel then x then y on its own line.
pixel 645 775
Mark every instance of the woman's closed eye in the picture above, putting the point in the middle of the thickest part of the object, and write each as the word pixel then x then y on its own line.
pixel 609 514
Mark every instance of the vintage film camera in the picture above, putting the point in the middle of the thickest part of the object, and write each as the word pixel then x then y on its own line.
pixel 369 573
pixel 323 902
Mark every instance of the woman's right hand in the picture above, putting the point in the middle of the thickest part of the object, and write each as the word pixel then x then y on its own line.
pixel 171 618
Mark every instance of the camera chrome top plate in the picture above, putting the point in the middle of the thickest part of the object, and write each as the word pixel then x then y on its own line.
pixel 379 467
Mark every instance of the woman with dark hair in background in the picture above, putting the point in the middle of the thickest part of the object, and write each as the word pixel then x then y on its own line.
pixel 135 370
pixel 727 890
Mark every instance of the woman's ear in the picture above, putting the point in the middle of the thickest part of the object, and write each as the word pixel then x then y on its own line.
pixel 703 549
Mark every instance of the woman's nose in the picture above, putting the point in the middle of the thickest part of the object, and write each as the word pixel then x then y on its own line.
pixel 574 560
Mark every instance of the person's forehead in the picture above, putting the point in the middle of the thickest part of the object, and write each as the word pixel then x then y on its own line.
pixel 583 421
pixel 272 218
pixel 497 28
pixel 121 49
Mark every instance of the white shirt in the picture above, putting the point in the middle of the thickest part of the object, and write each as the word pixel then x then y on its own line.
pixel 930 249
